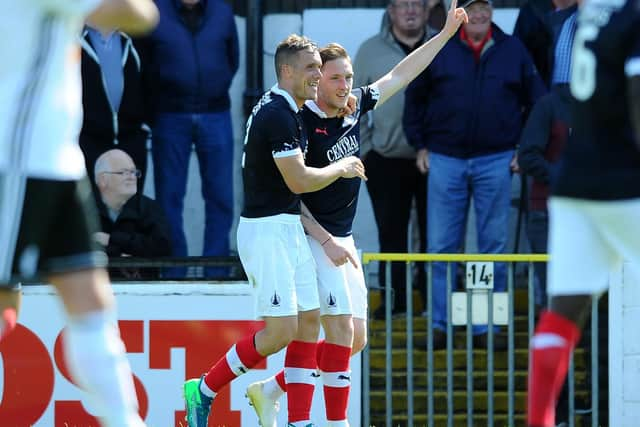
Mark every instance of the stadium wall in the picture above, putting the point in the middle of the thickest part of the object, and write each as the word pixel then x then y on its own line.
pixel 171 332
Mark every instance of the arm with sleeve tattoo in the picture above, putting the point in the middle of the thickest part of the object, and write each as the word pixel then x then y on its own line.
pixel 337 253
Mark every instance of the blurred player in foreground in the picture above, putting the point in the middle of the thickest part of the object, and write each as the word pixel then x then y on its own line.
pixel 595 208
pixel 45 200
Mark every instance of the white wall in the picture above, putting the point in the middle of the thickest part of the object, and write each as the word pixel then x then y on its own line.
pixel 624 347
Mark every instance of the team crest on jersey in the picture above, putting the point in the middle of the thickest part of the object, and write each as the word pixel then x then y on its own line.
pixel 275 300
pixel 331 300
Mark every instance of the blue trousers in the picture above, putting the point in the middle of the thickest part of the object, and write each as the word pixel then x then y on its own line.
pixel 174 134
pixel 452 183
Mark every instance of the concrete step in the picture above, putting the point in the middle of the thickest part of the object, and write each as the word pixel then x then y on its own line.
pixel 500 379
pixel 377 339
pixel 399 360
pixel 459 420
pixel 521 324
pixel 480 401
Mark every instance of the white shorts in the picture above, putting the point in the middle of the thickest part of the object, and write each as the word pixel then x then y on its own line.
pixel 276 257
pixel 587 239
pixel 342 289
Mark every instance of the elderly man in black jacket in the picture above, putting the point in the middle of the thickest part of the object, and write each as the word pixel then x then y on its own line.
pixel 132 224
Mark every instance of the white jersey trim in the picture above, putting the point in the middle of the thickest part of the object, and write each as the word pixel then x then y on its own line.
pixel 632 67
pixel 283 93
pixel 287 153
pixel 315 109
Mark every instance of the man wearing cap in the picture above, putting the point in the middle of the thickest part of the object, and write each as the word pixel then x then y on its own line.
pixel 464 115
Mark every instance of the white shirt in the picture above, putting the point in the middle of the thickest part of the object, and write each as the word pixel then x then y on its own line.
pixel 40 87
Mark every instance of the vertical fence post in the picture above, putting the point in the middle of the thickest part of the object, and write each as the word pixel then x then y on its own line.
pixel 469 345
pixel 430 408
pixel 449 351
pixel 388 350
pixel 595 378
pixel 366 372
pixel 490 361
pixel 409 294
pixel 510 348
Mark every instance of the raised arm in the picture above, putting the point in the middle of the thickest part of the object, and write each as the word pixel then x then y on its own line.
pixel 304 179
pixel 134 17
pixel 412 65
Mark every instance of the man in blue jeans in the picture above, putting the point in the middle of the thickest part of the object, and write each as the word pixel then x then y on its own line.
pixel 189 62
pixel 464 115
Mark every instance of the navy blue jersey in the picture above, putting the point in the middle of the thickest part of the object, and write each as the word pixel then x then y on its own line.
pixel 601 160
pixel 331 139
pixel 274 130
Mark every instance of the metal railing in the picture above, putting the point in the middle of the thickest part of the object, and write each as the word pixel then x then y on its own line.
pixel 466 306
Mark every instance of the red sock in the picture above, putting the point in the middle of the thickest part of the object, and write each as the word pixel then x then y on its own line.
pixel 319 351
pixel 9 319
pixel 280 375
pixel 239 359
pixel 551 349
pixel 300 374
pixel 280 380
pixel 334 368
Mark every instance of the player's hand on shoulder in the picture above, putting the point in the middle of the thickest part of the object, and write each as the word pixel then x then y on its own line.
pixel 338 254
pixel 352 167
pixel 350 108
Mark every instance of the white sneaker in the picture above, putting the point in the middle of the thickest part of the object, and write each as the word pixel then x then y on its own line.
pixel 266 408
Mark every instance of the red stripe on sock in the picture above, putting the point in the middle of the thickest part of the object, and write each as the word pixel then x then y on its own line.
pixel 299 396
pixel 548 369
pixel 335 358
pixel 221 374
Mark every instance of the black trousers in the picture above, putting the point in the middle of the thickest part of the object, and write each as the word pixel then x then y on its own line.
pixel 393 185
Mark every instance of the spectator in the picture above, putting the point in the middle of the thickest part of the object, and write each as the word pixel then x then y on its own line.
pixel 541 144
pixel 532 28
pixel 112 98
pixel 189 62
pixel 466 109
pixel 437 14
pixel 394 181
pixel 563 29
pixel 132 224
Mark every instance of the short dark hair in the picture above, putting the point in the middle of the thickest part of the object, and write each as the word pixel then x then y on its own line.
pixel 290 47
pixel 333 51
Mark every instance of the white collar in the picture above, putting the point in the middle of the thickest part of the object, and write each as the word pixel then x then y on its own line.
pixel 311 105
pixel 275 89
